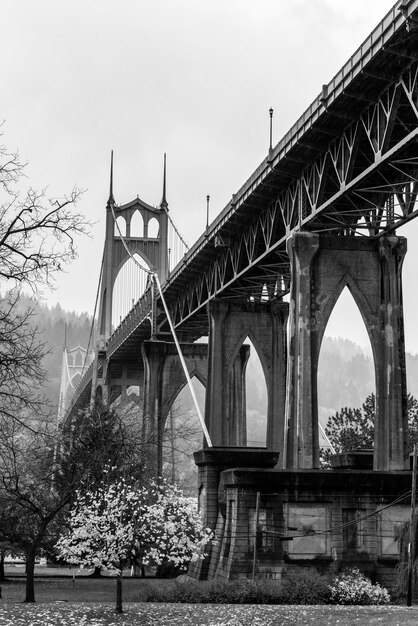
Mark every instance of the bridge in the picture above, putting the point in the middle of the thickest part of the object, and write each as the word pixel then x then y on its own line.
pixel 320 213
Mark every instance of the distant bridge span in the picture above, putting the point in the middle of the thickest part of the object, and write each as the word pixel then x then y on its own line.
pixel 346 173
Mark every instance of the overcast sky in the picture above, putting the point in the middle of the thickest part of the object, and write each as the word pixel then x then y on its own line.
pixel 192 78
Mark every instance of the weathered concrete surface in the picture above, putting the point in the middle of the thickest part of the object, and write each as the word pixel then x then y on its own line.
pixel 230 325
pixel 321 518
pixel 163 380
pixel 322 265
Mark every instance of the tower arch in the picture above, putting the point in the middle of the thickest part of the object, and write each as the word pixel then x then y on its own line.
pixel 321 266
pixel 152 249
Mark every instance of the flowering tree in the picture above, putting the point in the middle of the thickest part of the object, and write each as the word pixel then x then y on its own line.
pixel 120 521
pixel 170 530
pixel 102 530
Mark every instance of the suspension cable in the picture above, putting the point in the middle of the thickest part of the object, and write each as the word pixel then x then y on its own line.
pixel 183 363
pixel 94 316
pixel 154 276
pixel 177 232
pixel 324 434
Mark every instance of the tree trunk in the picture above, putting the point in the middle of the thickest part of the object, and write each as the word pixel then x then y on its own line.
pixel 119 591
pixel 30 576
pixel 2 572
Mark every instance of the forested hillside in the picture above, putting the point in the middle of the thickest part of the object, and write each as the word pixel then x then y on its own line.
pixel 55 326
pixel 346 374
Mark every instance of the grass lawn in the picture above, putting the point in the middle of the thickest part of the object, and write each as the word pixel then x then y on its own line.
pixel 90 602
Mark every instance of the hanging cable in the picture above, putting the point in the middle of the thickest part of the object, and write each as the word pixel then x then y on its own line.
pixel 324 434
pixel 94 316
pixel 154 275
pixel 183 363
pixel 177 232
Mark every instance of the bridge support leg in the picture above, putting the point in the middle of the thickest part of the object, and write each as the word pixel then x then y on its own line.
pixel 302 405
pixel 163 380
pixel 153 353
pixel 229 325
pixel 322 265
pixel 391 426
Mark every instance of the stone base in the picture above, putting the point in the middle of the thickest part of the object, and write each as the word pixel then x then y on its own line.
pixel 322 518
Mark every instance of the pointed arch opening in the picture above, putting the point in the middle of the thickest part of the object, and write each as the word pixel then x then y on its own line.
pixel 182 437
pixel 130 284
pixel 78 358
pixel 75 379
pixel 256 399
pixel 153 228
pixel 346 369
pixel 120 226
pixel 137 225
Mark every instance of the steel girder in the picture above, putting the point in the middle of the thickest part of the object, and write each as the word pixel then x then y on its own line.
pixel 349 166
pixel 365 183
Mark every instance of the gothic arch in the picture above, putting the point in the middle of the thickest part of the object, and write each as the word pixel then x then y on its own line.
pixel 175 392
pixel 322 265
pixel 129 284
pixel 230 323
pixel 251 336
pixel 120 225
pixel 153 228
pixel 347 281
pixel 136 224
pixel 125 259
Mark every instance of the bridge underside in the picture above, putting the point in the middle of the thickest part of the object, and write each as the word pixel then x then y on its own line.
pixel 286 473
pixel 319 214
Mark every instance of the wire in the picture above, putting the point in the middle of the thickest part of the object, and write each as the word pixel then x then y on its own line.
pixel 154 275
pixel 177 232
pixel 183 363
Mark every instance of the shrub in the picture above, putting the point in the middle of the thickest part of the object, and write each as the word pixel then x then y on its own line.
pixel 300 587
pixel 305 586
pixel 240 591
pixel 185 590
pixel 352 587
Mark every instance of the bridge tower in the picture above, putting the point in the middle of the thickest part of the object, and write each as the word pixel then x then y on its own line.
pixel 152 366
pixel 74 362
pixel 153 250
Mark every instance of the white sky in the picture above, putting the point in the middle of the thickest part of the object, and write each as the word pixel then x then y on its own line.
pixel 193 78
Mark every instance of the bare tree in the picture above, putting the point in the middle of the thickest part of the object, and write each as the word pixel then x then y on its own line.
pixel 36 239
pixel 36 233
pixel 38 484
pixel 21 371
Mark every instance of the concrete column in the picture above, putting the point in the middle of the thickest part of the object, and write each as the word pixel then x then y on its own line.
pixel 391 425
pixel 302 406
pixel 215 390
pixel 163 379
pixel 153 353
pixel 322 265
pixel 225 411
pixel 237 423
pixel 163 269
pixel 211 463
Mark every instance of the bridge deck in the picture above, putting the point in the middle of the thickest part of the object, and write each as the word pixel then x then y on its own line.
pixel 366 73
pixel 388 51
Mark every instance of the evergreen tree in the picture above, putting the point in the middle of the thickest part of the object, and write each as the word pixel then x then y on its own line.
pixel 353 429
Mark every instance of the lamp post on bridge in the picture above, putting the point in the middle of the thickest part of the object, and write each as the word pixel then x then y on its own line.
pixel 271 129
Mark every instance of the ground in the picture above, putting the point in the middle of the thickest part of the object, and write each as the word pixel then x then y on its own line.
pixel 144 614
pixel 82 601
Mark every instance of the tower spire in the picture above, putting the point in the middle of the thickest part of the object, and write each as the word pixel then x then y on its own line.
pixel 111 199
pixel 164 203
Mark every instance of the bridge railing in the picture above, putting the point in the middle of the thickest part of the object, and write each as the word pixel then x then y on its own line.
pixel 82 384
pixel 139 312
pixel 357 63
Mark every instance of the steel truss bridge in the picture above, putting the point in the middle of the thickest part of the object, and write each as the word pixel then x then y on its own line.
pixel 348 166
